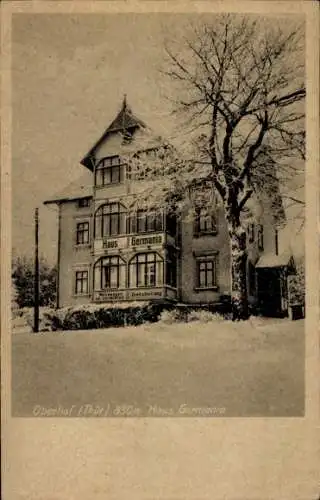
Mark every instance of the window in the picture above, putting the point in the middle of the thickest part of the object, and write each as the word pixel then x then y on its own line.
pixel 84 202
pixel 81 287
pixel 251 232
pixel 145 222
pixel 109 171
pixel 206 272
pixel 110 272
pixel 260 237
pixel 127 136
pixel 110 220
pixel 171 268
pixel 204 222
pixel 146 270
pixel 82 233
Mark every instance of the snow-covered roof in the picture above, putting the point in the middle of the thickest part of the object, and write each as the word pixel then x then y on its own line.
pixel 271 260
pixel 80 188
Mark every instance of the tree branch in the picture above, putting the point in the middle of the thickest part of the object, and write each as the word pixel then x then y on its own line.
pixel 253 148
pixel 244 200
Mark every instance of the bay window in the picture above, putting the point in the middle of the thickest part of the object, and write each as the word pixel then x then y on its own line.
pixel 110 220
pixel 146 270
pixel 110 272
pixel 143 221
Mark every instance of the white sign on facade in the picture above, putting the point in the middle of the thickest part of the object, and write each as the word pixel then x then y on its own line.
pixel 123 242
pixel 114 243
pixel 144 294
pixel 105 295
pixel 135 294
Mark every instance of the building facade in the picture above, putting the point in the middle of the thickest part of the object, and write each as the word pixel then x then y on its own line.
pixel 109 253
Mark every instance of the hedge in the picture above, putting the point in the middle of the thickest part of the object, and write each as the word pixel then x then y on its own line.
pixel 93 316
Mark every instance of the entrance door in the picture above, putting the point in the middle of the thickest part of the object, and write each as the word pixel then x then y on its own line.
pixel 269 292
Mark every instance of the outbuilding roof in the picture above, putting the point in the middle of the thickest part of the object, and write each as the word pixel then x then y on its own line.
pixel 80 188
pixel 271 260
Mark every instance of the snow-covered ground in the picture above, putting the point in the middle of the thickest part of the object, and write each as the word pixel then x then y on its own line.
pixel 219 368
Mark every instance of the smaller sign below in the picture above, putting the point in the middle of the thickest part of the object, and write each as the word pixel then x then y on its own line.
pixel 106 295
pixel 145 294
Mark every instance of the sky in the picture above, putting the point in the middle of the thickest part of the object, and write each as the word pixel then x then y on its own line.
pixel 69 75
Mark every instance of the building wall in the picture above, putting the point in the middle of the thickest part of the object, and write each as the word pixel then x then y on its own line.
pixel 72 256
pixel 192 247
pixel 114 144
pixel 75 257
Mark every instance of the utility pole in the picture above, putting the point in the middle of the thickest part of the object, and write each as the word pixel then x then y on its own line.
pixel 58 259
pixel 36 272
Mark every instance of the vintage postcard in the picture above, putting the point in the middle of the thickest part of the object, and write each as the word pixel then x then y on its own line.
pixel 160 250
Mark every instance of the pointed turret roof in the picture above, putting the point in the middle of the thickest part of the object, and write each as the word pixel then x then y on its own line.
pixel 125 119
pixel 123 122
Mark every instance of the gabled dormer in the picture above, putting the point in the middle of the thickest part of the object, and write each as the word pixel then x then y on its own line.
pixel 120 133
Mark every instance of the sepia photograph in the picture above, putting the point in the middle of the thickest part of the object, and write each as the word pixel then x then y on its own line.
pixel 158 215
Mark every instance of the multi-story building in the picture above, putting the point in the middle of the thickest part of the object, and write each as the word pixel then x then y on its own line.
pixel 108 253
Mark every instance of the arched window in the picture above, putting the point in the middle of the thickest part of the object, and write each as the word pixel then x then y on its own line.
pixel 110 220
pixel 110 272
pixel 146 270
pixel 109 171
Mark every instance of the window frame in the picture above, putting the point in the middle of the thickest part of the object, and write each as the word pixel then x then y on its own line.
pixel 101 264
pixel 153 222
pixel 82 280
pixel 260 237
pixel 251 232
pixel 84 202
pixel 85 233
pixel 146 267
pixel 210 229
pixel 107 166
pixel 209 284
pixel 105 213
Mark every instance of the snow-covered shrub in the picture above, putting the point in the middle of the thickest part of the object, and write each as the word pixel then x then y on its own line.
pixel 45 322
pixel 203 316
pixel 296 286
pixel 169 317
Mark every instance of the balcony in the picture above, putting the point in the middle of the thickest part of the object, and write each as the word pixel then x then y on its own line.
pixel 115 229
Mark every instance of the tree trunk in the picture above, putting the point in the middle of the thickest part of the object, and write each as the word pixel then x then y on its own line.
pixel 238 247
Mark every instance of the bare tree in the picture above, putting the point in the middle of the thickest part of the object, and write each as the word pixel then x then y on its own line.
pixel 240 90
